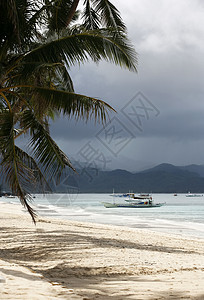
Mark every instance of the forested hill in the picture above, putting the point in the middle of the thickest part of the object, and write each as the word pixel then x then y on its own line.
pixel 164 178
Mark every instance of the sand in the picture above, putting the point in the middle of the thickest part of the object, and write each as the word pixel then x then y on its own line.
pixel 72 260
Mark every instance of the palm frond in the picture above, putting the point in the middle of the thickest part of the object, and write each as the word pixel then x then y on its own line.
pixel 58 15
pixel 36 180
pixel 90 17
pixel 45 150
pixel 14 171
pixel 8 20
pixel 72 104
pixel 47 73
pixel 16 31
pixel 110 16
pixel 94 45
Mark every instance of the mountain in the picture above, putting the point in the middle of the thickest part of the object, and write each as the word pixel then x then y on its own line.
pixel 163 178
pixel 164 168
pixel 199 169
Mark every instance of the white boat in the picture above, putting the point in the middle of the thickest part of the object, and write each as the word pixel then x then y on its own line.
pixel 133 197
pixel 194 195
pixel 140 201
pixel 132 205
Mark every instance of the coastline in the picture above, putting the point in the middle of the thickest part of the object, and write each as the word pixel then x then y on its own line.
pixel 77 260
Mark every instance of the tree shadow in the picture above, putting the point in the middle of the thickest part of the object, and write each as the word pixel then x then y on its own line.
pixel 99 286
pixel 21 274
pixel 176 295
pixel 36 247
pixel 37 243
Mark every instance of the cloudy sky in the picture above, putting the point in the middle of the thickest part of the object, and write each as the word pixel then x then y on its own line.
pixel 160 110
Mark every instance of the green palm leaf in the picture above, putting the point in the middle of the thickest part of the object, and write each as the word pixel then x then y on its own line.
pixel 45 150
pixel 15 172
pixel 91 20
pixel 79 47
pixel 110 15
pixel 50 74
pixel 72 104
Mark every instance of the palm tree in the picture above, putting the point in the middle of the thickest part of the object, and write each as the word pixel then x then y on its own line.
pixel 39 42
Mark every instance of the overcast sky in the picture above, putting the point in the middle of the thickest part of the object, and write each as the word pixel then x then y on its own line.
pixel 160 110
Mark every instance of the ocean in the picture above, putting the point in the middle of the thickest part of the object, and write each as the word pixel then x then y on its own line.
pixel 180 215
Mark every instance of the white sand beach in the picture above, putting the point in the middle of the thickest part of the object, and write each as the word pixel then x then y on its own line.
pixel 59 259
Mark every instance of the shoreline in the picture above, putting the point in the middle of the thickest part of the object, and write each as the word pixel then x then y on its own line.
pixel 181 221
pixel 76 260
pixel 169 227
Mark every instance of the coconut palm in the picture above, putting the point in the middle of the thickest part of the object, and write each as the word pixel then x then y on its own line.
pixel 39 42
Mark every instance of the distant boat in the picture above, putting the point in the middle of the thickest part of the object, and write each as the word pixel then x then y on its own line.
pixel 131 195
pixel 121 195
pixel 6 194
pixel 132 205
pixel 140 201
pixel 193 195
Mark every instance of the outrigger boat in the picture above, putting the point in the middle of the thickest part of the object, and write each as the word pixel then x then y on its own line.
pixel 131 205
pixel 193 195
pixel 140 201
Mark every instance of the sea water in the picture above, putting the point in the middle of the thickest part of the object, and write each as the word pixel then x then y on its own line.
pixel 180 215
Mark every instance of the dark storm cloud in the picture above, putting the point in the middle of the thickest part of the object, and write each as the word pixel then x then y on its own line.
pixel 168 38
pixel 65 129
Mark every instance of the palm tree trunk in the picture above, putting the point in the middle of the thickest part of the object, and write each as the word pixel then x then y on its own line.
pixel 72 11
